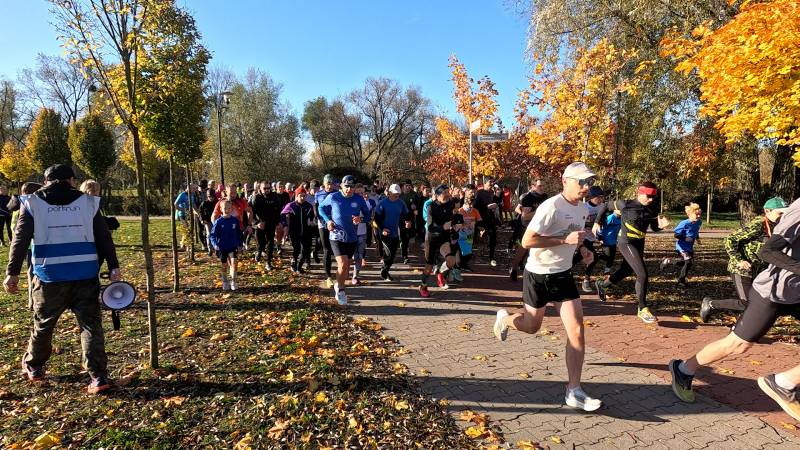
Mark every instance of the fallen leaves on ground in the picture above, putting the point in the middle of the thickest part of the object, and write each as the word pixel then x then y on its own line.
pixel 275 364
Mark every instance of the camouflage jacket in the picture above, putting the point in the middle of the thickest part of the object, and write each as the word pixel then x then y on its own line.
pixel 744 245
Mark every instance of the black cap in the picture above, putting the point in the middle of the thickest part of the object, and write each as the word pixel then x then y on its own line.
pixel 59 172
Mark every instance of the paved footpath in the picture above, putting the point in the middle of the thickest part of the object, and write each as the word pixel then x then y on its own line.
pixel 521 385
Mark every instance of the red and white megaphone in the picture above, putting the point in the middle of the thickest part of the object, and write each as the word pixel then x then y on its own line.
pixel 117 296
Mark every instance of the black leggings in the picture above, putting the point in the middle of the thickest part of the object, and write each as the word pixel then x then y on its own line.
pixel 301 249
pixel 389 244
pixel 325 236
pixel 743 285
pixel 266 240
pixel 405 236
pixel 607 255
pixel 5 223
pixel 633 262
pixel 491 231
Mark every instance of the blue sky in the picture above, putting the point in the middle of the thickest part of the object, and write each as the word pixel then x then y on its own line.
pixel 329 47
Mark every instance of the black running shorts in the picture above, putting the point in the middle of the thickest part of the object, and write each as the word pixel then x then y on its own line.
pixel 538 290
pixel 344 248
pixel 760 316
pixel 224 255
pixel 433 243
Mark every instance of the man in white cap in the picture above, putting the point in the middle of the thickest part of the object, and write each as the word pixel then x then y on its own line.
pixel 391 214
pixel 552 236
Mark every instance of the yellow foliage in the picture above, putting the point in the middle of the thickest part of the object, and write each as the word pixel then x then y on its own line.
pixel 16 163
pixel 749 71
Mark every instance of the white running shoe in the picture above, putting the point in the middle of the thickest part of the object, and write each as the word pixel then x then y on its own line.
pixel 341 298
pixel 587 286
pixel 234 286
pixel 500 330
pixel 493 263
pixel 576 398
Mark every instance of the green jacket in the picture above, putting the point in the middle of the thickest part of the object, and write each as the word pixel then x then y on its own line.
pixel 744 245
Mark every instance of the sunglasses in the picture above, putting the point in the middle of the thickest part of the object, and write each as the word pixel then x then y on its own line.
pixel 585 181
pixel 652 197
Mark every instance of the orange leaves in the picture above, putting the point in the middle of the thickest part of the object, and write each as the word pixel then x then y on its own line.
pixel 749 71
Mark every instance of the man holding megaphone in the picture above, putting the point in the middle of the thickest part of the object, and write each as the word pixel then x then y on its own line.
pixel 69 236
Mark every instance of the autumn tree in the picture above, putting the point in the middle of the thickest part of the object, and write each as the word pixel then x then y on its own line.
pixel 47 141
pixel 59 84
pixel 371 128
pixel 91 144
pixel 261 136
pixel 10 126
pixel 113 38
pixel 176 105
pixel 16 164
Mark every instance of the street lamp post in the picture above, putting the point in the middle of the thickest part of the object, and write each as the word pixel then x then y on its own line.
pixel 221 101
pixel 92 89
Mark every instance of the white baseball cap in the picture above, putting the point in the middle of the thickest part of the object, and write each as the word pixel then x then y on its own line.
pixel 579 171
pixel 394 189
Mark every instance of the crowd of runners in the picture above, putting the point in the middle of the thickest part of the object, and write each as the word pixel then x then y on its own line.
pixel 338 219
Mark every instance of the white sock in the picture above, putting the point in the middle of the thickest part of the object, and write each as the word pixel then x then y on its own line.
pixel 682 367
pixel 336 287
pixel 783 381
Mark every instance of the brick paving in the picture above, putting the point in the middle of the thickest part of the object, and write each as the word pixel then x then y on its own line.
pixel 452 350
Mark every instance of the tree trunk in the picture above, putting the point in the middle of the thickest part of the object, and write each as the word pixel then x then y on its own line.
pixel 783 173
pixel 192 221
pixel 708 203
pixel 748 180
pixel 176 281
pixel 148 254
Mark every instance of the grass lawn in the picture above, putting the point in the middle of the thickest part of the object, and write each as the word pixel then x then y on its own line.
pixel 272 365
pixel 723 221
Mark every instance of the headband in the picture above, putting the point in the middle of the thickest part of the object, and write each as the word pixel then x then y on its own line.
pixel 648 190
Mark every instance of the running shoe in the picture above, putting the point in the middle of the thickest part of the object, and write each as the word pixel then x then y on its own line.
pixel 493 263
pixel 664 264
pixel 681 383
pixel 386 277
pixel 234 286
pixel 32 373
pixel 268 266
pixel 440 280
pixel 457 275
pixel 646 315
pixel 341 298
pixel 406 260
pixel 226 285
pixel 512 273
pixel 258 257
pixel 787 399
pixel 423 291
pixel 329 283
pixel 586 286
pixel 500 329
pixel 354 281
pixel 98 385
pixel 601 290
pixel 705 309
pixel 577 398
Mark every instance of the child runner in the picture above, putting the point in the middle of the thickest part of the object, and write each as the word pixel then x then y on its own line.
pixel 471 216
pixel 552 236
pixel 226 237
pixel 609 230
pixel 686 234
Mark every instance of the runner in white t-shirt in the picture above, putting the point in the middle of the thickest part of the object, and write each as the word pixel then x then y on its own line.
pixel 552 236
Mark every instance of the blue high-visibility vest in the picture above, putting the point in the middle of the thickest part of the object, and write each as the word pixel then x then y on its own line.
pixel 63 238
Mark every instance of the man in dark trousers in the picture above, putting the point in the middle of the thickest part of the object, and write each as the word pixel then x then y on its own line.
pixel 266 206
pixel 69 236
pixel 487 204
